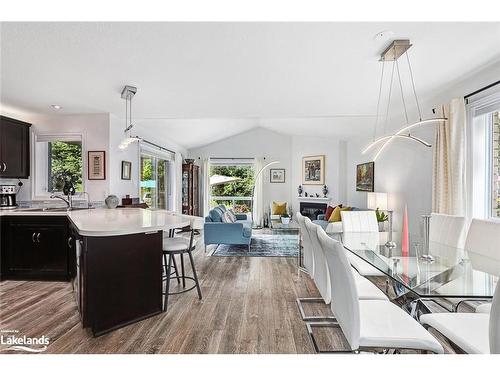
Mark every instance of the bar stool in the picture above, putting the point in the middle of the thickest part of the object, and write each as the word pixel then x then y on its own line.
pixel 166 267
pixel 179 246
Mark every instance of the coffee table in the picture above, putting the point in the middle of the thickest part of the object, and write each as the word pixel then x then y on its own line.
pixel 293 228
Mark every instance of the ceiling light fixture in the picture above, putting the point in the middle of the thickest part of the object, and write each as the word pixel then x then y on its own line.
pixel 392 53
pixel 56 106
pixel 128 93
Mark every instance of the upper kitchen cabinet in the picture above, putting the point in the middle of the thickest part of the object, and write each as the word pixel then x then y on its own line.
pixel 14 148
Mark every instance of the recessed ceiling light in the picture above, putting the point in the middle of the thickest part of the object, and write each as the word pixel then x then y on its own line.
pixel 55 106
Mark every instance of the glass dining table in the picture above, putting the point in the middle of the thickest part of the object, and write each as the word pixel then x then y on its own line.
pixel 418 274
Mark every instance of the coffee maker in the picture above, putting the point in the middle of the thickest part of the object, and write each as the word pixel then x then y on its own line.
pixel 8 197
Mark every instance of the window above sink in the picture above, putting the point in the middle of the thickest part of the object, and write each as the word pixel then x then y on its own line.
pixel 57 157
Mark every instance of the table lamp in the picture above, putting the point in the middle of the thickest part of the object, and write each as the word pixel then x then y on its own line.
pixel 379 201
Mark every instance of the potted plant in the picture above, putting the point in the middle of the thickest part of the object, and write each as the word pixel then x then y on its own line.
pixel 285 219
pixel 381 219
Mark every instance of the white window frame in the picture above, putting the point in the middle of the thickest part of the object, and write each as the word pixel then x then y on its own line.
pixel 231 162
pixel 45 137
pixel 480 150
pixel 157 153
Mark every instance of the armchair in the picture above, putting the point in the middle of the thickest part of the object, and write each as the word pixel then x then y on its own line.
pixel 218 232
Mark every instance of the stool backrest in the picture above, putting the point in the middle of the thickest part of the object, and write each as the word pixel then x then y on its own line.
pixel 321 276
pixel 306 244
pixel 359 221
pixel 345 304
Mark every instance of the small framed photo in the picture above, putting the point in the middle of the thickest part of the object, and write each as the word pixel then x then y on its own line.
pixel 96 165
pixel 365 177
pixel 313 170
pixel 277 176
pixel 126 170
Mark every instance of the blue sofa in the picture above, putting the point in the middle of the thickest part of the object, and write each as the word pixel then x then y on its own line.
pixel 217 232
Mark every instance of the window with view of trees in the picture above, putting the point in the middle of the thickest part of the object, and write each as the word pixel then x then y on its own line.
pixel 58 158
pixel 231 185
pixel 64 163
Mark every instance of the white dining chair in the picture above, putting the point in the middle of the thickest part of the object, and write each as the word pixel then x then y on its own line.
pixel 483 251
pixel 476 332
pixel 360 222
pixel 473 333
pixel 321 275
pixel 366 289
pixel 447 237
pixel 368 325
pixel 308 257
pixel 307 253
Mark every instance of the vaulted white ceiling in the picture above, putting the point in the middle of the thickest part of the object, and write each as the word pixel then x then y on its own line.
pixel 200 82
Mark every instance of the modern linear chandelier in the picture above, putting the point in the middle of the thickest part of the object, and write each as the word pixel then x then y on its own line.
pixel 128 93
pixel 392 53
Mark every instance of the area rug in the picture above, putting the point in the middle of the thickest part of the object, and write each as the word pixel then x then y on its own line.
pixel 263 245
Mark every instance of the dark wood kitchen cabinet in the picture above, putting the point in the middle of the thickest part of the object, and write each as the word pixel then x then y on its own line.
pixel 14 148
pixel 36 248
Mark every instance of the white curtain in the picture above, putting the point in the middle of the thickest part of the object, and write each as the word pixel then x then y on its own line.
pixel 258 204
pixel 206 186
pixel 448 182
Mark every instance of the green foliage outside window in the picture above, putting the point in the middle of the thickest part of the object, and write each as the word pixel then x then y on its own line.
pixel 240 188
pixel 65 163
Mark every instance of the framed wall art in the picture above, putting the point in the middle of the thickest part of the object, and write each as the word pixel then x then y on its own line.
pixel 277 175
pixel 365 176
pixel 126 170
pixel 96 165
pixel 313 170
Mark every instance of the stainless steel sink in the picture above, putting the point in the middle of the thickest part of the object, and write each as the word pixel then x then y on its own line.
pixel 52 209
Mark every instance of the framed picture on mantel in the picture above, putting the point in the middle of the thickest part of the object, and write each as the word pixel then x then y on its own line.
pixel 313 170
pixel 96 165
pixel 365 176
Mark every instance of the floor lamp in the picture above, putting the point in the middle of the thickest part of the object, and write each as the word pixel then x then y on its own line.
pixel 255 183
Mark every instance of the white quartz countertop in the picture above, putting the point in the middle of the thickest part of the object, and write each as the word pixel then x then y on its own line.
pixel 102 222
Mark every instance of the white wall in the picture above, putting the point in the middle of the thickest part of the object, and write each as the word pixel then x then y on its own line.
pixel 333 149
pixel 117 186
pixel 289 150
pixel 403 170
pixel 101 132
pixel 94 130
pixel 255 143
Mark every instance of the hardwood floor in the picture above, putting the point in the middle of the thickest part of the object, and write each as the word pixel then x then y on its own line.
pixel 248 306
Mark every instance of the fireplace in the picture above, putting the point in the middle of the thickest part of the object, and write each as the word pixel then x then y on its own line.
pixel 312 209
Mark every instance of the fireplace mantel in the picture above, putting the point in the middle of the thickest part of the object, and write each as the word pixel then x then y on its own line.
pixel 314 199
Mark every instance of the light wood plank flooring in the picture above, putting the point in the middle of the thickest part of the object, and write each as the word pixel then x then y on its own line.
pixel 248 306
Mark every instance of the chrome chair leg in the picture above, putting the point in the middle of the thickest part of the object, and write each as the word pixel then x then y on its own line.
pixel 312 318
pixel 315 343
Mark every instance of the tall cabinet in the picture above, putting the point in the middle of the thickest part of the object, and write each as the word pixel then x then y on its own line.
pixel 190 189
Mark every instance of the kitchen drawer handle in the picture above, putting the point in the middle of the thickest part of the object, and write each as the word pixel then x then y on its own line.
pixel 38 237
pixel 69 242
pixel 4 166
pixel 33 237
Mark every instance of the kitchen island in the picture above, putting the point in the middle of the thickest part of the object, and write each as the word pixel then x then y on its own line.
pixel 117 259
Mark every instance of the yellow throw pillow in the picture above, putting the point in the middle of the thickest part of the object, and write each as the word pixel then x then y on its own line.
pixel 335 216
pixel 279 208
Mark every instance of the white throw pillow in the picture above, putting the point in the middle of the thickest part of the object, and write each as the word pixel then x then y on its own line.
pixel 233 215
pixel 227 218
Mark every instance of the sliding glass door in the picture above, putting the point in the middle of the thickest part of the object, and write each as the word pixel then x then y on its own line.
pixel 154 181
